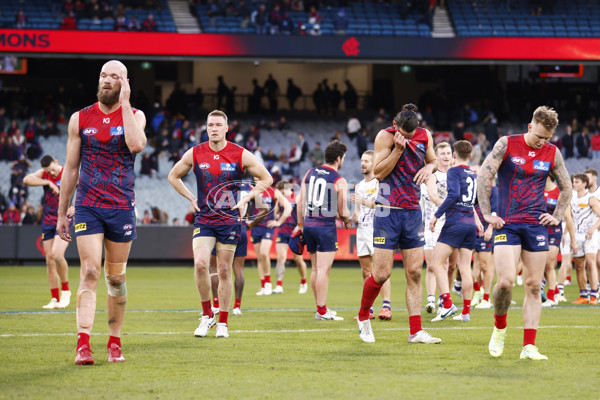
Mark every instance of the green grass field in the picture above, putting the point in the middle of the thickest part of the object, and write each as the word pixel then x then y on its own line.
pixel 277 350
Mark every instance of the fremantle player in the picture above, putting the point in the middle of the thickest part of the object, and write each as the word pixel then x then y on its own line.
pixel 404 159
pixel 57 269
pixel 365 196
pixel 459 231
pixel 586 218
pixel 283 238
pixel 594 190
pixel 219 166
pixel 103 139
pixel 523 163
pixel 322 198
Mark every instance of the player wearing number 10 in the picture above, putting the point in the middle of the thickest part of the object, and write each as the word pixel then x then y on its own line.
pixel 322 198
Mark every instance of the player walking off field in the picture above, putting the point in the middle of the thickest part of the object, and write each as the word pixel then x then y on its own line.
pixel 219 166
pixel 103 139
pixel 523 162
pixel 322 199
pixel 49 176
pixel 404 159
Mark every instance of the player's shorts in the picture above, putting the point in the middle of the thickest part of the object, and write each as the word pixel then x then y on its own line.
pixel 241 250
pixel 283 238
pixel 399 229
pixel 321 238
pixel 530 237
pixel 459 236
pixel 116 225
pixel 586 246
pixel 431 238
pixel 48 232
pixel 364 240
pixel 481 246
pixel 566 247
pixel 554 235
pixel 260 233
pixel 225 234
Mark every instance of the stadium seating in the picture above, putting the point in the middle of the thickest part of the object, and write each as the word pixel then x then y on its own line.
pixel 484 18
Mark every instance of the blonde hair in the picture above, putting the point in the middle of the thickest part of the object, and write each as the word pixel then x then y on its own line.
pixel 546 116
pixel 442 145
pixel 217 113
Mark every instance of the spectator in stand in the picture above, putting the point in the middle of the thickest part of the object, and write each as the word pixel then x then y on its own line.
pixel 175 222
pixel 147 167
pixel 189 217
pixel 458 132
pixel 470 117
pixel 32 129
pixel 29 217
pixel 361 142
pixel 297 5
pixel 316 155
pixel 251 144
pixel 252 131
pixel 11 150
pixel 583 143
pixel 303 145
pixel 222 92
pixel 19 141
pixel 67 7
pixel 335 98
pixel 150 24
pixel 294 160
pixel 2 119
pixel 350 96
pixel 244 13
pixel 146 220
pixel 286 26
pixel 272 92
pixel 214 10
pixel 491 127
pixel 79 8
pixel 135 25
pixel 568 142
pixel 353 127
pixel 121 24
pixel 11 216
pixel 316 30
pixel 314 16
pixel 336 136
pixel 107 12
pixel 69 22
pixel 283 124
pixel 283 157
pixel 3 203
pixel 293 93
pixel 340 22
pixel 259 19
pixel 595 143
pixel 275 19
pixel 95 12
pixel 50 129
pixel 270 156
pixel 21 20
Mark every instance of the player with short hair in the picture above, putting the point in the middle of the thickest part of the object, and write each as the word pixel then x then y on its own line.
pixel 523 163
pixel 594 190
pixel 433 194
pixel 263 234
pixel 219 167
pixel 322 199
pixel 57 268
pixel 404 159
pixel 459 231
pixel 586 213
pixel 283 238
pixel 103 140
pixel 365 196
pixel 551 193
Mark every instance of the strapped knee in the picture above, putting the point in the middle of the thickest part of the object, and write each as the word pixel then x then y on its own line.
pixel 114 276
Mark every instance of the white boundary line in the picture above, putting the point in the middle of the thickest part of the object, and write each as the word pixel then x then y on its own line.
pixel 452 328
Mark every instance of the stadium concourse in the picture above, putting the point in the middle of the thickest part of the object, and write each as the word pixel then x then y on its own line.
pixel 156 192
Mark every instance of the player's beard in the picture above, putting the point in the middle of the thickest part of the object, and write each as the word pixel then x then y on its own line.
pixel 109 99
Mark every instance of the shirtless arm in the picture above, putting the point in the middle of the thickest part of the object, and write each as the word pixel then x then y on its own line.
pixel 485 180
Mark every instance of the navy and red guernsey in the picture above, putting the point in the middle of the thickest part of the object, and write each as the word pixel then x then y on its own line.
pixel 50 200
pixel 551 197
pixel 462 192
pixel 218 175
pixel 398 189
pixel 290 223
pixel 106 176
pixel 522 180
pixel 268 200
pixel 321 197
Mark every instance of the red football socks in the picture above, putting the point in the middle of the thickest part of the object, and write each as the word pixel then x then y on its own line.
pixel 215 302
pixel 64 286
pixel 476 286
pixel 267 278
pixel 54 293
pixel 550 294
pixel 529 336
pixel 466 307
pixel 262 283
pixel 113 339
pixel 371 290
pixel 303 281
pixel 237 303
pixel 414 322
pixel 83 339
pixel 279 283
pixel 447 300
pixel 321 309
pixel 486 296
pixel 223 315
pixel 206 310
pixel 500 322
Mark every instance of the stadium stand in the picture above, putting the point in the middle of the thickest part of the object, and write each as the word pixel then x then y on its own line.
pixel 485 18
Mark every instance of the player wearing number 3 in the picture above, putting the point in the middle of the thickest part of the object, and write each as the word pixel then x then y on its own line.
pixel 323 196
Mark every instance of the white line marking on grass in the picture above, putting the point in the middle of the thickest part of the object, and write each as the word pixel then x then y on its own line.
pixel 449 328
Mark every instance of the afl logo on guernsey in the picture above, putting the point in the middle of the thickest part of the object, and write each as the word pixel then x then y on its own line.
pixel 204 166
pixel 90 131
pixel 518 160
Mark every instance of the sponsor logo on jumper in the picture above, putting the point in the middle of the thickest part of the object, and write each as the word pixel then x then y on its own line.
pixel 227 167
pixel 541 165
pixel 117 131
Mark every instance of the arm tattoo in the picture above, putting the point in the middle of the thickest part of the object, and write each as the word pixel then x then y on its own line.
pixel 564 184
pixel 487 172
